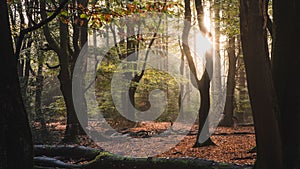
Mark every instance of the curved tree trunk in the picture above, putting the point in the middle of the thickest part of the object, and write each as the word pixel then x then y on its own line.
pixel 65 78
pixel 203 84
pixel 67 59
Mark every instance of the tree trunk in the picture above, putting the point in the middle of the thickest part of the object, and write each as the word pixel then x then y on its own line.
pixel 65 78
pixel 200 16
pixel 38 97
pixel 285 62
pixel 66 151
pixel 229 104
pixel 15 142
pixel 106 160
pixel 27 66
pixel 72 121
pixel 25 78
pixel 79 40
pixel 216 84
pixel 242 94
pixel 203 85
pixel 260 84
pixel 181 87
pixel 131 58
pixel 83 41
pixel 66 64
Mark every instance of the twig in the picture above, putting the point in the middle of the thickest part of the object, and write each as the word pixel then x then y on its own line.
pixel 23 32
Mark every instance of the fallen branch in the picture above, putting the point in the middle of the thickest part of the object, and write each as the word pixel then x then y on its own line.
pixel 47 162
pixel 107 160
pixel 67 151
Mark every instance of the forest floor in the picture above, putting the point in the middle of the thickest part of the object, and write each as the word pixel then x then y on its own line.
pixel 232 144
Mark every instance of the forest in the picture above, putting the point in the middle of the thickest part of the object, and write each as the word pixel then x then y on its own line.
pixel 159 84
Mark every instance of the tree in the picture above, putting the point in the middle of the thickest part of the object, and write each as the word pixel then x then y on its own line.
pixel 67 56
pixel 229 104
pixel 38 94
pixel 203 84
pixel 15 132
pixel 260 83
pixel 229 26
pixel 285 66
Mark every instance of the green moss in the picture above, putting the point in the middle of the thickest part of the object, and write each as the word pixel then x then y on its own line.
pixel 184 162
pixel 223 164
pixel 101 155
pixel 105 154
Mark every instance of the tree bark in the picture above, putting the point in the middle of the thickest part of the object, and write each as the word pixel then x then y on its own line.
pixel 229 104
pixel 67 60
pixel 203 84
pixel 131 57
pixel 260 84
pixel 79 40
pixel 285 64
pixel 106 160
pixel 38 97
pixel 15 134
pixel 66 151
pixel 65 78
pixel 241 99
pixel 200 16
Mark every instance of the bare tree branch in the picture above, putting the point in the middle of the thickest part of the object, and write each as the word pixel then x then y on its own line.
pixel 23 32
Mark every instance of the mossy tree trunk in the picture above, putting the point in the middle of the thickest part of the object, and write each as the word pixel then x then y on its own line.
pixel 106 160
